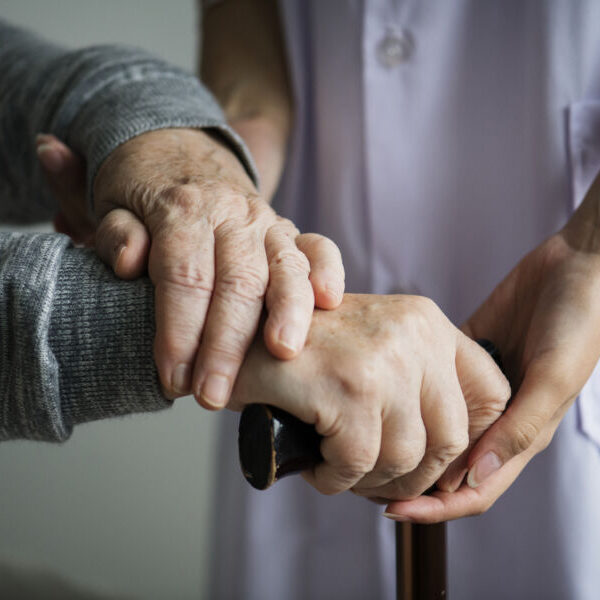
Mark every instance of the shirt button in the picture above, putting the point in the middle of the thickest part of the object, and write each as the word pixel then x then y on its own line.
pixel 395 48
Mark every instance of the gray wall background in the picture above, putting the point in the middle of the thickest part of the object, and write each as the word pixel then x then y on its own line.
pixel 123 507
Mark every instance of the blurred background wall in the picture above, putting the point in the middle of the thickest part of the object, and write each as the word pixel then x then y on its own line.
pixel 123 507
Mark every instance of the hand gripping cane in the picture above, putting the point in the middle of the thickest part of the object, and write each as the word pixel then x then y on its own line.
pixel 273 443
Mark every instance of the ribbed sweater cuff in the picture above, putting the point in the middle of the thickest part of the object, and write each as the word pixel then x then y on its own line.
pixel 101 335
pixel 118 114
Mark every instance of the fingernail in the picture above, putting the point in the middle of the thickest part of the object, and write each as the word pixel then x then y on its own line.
pixel 180 381
pixel 215 389
pixel 117 257
pixel 334 292
pixel 489 463
pixel 42 138
pixel 51 159
pixel 458 481
pixel 395 517
pixel 289 337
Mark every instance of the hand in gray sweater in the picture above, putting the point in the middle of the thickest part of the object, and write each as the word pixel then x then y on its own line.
pixel 214 249
pixel 76 342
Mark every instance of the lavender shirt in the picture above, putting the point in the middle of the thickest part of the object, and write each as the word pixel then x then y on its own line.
pixel 436 143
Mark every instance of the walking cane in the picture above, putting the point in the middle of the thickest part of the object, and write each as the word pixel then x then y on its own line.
pixel 273 443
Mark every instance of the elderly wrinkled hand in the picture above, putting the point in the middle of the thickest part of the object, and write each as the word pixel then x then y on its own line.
pixel 179 203
pixel 397 391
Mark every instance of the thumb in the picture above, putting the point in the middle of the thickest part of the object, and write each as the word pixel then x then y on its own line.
pixel 65 174
pixel 122 241
pixel 63 168
pixel 486 392
pixel 523 427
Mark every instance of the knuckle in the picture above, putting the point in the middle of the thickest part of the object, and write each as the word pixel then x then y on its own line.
pixel 418 322
pixel 182 198
pixel 173 210
pixel 258 208
pixel 483 415
pixel 247 282
pixel 522 436
pixel 489 407
pixel 353 465
pixel 352 472
pixel 426 306
pixel 327 419
pixel 429 320
pixel 357 379
pixel 400 489
pixel 446 452
pixel 503 394
pixel 243 213
pixel 321 245
pixel 497 403
pixel 390 472
pixel 544 439
pixel 286 226
pixel 240 231
pixel 356 454
pixel 290 260
pixel 229 347
pixel 290 306
pixel 227 354
pixel 189 277
pixel 408 456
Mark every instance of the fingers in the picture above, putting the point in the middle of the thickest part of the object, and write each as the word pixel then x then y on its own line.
pixel 122 241
pixel 481 380
pixel 232 320
pixel 540 401
pixel 57 158
pixel 181 266
pixel 403 445
pixel 445 420
pixel 326 269
pixel 404 438
pixel 466 501
pixel 289 300
pixel 65 173
pixel 486 392
pixel 349 452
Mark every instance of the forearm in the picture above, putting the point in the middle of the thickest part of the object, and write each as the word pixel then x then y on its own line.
pixel 75 342
pixel 94 99
pixel 582 231
pixel 243 63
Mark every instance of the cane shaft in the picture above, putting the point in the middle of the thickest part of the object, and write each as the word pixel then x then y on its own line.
pixel 421 562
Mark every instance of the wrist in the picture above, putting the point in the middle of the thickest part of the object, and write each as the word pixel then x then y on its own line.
pixel 266 135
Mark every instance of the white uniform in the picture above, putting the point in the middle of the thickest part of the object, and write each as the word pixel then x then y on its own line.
pixel 436 142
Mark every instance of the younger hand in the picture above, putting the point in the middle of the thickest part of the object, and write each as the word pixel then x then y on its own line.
pixel 545 319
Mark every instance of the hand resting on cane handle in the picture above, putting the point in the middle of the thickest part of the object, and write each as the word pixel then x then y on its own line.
pixel 397 391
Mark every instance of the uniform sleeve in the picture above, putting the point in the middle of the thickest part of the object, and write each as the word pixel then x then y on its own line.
pixel 94 99
pixel 75 341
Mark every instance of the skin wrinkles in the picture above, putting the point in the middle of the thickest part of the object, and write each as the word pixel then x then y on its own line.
pixel 360 382
pixel 178 204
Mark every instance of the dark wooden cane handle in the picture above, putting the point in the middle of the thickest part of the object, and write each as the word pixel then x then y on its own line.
pixel 272 443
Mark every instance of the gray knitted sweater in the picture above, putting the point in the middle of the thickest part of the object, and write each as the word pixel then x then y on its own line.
pixel 75 342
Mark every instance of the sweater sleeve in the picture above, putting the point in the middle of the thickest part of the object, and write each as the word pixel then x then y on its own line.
pixel 75 341
pixel 94 99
